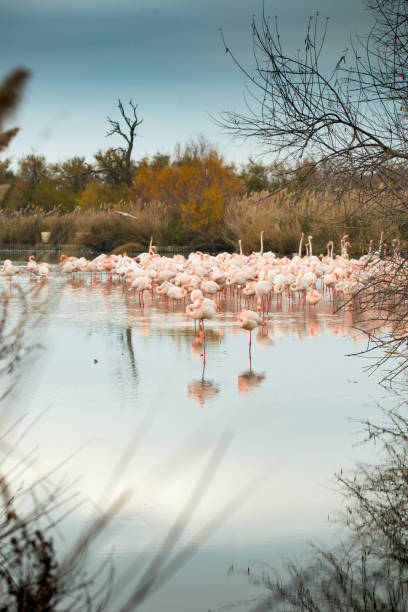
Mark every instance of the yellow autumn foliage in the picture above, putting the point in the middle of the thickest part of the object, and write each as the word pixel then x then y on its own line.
pixel 96 193
pixel 196 187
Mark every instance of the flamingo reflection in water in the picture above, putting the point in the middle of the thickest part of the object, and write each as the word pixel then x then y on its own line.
pixel 263 338
pixel 198 344
pixel 202 390
pixel 249 380
pixel 249 320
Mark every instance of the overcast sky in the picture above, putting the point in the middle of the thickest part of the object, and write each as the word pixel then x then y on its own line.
pixel 167 55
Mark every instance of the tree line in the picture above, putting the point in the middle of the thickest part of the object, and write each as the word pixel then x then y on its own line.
pixel 202 199
pixel 194 173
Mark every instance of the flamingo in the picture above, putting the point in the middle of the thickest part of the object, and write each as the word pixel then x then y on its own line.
pixel 249 320
pixel 202 308
pixel 141 283
pixel 262 289
pixel 249 290
pixel 66 263
pixel 313 296
pixel 31 264
pixel 195 294
pixel 176 293
pixel 42 269
pixel 9 270
pixel 210 287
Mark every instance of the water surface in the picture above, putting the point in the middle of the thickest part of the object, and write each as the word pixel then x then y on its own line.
pixel 129 391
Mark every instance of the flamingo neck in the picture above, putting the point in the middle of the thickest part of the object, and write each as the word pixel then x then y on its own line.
pixel 300 245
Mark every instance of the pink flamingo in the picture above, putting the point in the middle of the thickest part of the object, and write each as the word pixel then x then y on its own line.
pixel 31 264
pixel 249 320
pixel 313 296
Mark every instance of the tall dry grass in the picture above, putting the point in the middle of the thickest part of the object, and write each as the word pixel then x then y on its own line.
pixel 284 215
pixel 25 226
pixel 108 229
pixel 104 228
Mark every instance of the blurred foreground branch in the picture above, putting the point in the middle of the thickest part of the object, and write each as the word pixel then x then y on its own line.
pixel 370 570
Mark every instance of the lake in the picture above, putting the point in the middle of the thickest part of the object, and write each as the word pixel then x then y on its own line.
pixel 119 398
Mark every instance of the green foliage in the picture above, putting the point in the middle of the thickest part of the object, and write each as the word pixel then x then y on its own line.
pixel 111 168
pixel 74 174
pixel 38 184
pixel 6 173
pixel 263 177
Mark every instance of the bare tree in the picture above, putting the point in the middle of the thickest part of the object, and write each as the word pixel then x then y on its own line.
pixel 351 123
pixel 351 119
pixel 126 129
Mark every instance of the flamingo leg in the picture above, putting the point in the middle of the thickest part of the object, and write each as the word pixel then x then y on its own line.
pixel 202 321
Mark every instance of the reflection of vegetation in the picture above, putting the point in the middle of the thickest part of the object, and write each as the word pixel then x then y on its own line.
pixel 370 573
pixel 127 341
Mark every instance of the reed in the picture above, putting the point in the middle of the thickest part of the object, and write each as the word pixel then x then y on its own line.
pixel 285 214
pixel 108 228
pixel 104 228
pixel 25 226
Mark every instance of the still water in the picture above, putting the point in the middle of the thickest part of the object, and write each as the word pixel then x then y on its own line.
pixel 122 400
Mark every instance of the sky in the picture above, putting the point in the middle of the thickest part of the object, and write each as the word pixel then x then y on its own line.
pixel 167 55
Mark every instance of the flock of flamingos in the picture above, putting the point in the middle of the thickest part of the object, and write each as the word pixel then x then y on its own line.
pixel 200 278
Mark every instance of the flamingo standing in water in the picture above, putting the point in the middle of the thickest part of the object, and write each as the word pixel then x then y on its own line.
pixel 42 269
pixel 202 308
pixel 141 284
pixel 31 265
pixel 249 320
pixel 9 270
pixel 176 293
pixel 313 296
pixel 262 289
